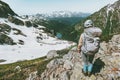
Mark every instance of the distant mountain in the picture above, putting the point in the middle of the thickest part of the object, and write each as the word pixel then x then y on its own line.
pixel 24 38
pixel 5 10
pixel 107 18
pixel 61 14
pixel 59 21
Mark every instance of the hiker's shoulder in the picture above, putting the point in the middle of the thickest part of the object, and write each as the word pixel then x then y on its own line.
pixel 82 35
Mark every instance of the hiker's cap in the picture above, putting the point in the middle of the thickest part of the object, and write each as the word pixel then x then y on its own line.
pixel 88 23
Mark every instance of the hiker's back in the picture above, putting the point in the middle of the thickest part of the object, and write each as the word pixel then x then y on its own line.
pixel 89 45
pixel 93 31
pixel 91 40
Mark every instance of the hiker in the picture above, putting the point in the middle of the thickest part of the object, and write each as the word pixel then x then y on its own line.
pixel 88 45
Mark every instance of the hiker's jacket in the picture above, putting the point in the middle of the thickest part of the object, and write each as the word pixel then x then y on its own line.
pixel 80 42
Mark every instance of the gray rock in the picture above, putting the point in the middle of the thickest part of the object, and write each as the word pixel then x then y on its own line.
pixel 52 54
pixel 28 23
pixel 64 76
pixel 92 77
pixel 4 28
pixel 4 39
pixel 68 65
pixel 32 76
pixel 116 39
pixel 54 63
pixel 106 64
pixel 104 46
pixel 15 20
pixel 17 69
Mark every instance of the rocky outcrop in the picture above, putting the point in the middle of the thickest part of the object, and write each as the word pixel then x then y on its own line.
pixel 107 18
pixel 4 39
pixel 5 10
pixel 52 54
pixel 69 67
pixel 15 20
pixel 4 28
pixel 28 23
pixel 32 76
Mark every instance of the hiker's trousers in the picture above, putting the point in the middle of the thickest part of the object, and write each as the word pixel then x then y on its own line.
pixel 87 59
pixel 87 62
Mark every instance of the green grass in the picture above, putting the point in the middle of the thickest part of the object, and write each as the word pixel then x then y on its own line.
pixel 8 72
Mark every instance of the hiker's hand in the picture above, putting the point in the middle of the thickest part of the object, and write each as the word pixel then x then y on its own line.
pixel 79 50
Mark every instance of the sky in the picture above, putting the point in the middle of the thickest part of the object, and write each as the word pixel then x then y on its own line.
pixel 23 7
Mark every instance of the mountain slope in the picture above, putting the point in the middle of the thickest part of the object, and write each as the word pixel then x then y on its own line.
pixel 107 18
pixel 69 67
pixel 5 10
pixel 25 40
pixel 61 14
pixel 60 22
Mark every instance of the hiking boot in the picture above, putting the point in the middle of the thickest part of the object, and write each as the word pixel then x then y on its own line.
pixel 85 73
pixel 89 74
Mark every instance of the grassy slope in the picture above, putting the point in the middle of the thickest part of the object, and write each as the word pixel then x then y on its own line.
pixel 8 72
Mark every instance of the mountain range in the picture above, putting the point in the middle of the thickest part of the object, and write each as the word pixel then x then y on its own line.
pixel 26 38
pixel 22 37
pixel 59 21
pixel 107 18
pixel 59 14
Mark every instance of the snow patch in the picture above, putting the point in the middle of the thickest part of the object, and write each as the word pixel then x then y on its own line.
pixel 33 47
pixel 109 8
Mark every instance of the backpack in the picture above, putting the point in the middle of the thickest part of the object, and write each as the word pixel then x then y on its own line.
pixel 91 40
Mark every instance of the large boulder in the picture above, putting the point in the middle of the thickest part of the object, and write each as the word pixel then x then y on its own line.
pixel 28 23
pixel 51 54
pixel 15 20
pixel 32 76
pixel 116 39
pixel 34 25
pixel 4 28
pixel 4 39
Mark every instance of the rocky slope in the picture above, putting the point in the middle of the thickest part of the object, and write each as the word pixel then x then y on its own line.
pixel 5 10
pixel 107 18
pixel 59 21
pixel 69 67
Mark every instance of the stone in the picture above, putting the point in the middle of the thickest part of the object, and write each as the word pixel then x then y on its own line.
pixel 17 69
pixel 4 28
pixel 68 65
pixel 32 76
pixel 106 63
pixel 28 23
pixel 4 39
pixel 52 54
pixel 115 54
pixel 116 39
pixel 104 46
pixel 92 77
pixel 64 76
pixel 15 20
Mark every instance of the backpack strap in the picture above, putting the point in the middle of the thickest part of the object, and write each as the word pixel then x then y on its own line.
pixel 84 39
